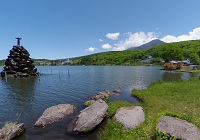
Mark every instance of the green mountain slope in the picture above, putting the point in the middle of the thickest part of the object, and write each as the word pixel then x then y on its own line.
pixel 168 51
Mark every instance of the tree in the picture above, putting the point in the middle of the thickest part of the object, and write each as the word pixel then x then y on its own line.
pixel 194 58
pixel 171 52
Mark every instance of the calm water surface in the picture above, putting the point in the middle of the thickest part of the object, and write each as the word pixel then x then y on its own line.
pixel 30 96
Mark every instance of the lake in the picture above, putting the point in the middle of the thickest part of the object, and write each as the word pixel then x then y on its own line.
pixel 25 99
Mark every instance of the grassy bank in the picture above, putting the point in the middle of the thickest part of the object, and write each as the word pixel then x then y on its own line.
pixel 188 70
pixel 180 99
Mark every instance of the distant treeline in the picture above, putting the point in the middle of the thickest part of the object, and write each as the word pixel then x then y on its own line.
pixel 2 62
pixel 170 51
pixel 129 57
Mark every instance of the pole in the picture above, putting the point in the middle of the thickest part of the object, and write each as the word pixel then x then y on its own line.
pixel 68 73
pixel 39 76
pixel 59 74
pixel 6 76
pixel 62 72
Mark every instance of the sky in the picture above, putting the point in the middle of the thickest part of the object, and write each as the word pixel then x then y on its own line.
pixel 59 29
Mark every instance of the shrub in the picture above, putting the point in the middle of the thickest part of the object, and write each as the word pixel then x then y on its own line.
pixel 179 65
pixel 170 66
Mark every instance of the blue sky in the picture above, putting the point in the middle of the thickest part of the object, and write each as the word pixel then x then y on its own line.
pixel 55 29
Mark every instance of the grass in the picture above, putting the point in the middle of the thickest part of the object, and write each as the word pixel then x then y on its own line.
pixel 178 99
pixel 10 124
pixel 192 69
pixel 188 70
pixel 113 106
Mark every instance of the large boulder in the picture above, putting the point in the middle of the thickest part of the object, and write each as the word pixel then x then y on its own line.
pixel 89 118
pixel 130 117
pixel 11 131
pixel 54 114
pixel 180 129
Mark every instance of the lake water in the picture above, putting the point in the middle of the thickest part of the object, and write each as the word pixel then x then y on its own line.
pixel 29 97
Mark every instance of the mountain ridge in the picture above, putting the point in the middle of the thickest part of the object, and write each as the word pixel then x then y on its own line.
pixel 148 45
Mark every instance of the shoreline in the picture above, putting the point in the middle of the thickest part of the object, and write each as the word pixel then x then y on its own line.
pixel 178 99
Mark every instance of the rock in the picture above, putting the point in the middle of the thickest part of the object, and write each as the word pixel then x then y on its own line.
pixel 89 118
pixel 180 129
pixel 54 114
pixel 106 94
pixel 97 97
pixel 92 97
pixel 89 103
pixel 11 131
pixel 117 91
pixel 101 95
pixel 130 117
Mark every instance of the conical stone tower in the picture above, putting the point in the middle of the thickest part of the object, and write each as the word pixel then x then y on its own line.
pixel 18 62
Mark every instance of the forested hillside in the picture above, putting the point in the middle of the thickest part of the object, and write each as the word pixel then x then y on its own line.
pixel 169 51
pixel 112 58
pixel 177 51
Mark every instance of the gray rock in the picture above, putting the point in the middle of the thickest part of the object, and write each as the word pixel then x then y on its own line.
pixel 106 94
pixel 11 131
pixel 89 118
pixel 117 91
pixel 130 117
pixel 180 129
pixel 98 96
pixel 54 114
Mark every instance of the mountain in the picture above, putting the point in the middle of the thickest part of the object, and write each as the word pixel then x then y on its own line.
pixel 148 45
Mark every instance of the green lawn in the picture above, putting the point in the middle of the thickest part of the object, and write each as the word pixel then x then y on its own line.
pixel 180 99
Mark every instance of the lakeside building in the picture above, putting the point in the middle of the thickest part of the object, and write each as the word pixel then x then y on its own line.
pixel 67 62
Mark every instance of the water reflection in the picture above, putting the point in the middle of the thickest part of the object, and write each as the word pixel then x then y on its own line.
pixel 172 76
pixel 30 97
pixel 19 97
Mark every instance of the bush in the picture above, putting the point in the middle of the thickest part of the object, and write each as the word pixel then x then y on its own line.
pixel 179 66
pixel 170 66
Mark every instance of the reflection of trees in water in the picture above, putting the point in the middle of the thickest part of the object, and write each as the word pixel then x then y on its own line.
pixel 172 76
pixel 20 96
pixel 23 87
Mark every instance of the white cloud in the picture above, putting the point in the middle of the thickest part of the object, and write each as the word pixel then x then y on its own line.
pixel 106 46
pixel 113 36
pixel 134 40
pixel 139 38
pixel 91 49
pixel 195 34
pixel 100 40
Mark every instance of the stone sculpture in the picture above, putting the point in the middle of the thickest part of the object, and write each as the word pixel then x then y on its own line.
pixel 18 62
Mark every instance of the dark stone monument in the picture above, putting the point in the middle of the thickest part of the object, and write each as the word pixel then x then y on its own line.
pixel 18 62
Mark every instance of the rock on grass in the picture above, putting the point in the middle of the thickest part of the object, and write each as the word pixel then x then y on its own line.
pixel 180 129
pixel 130 117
